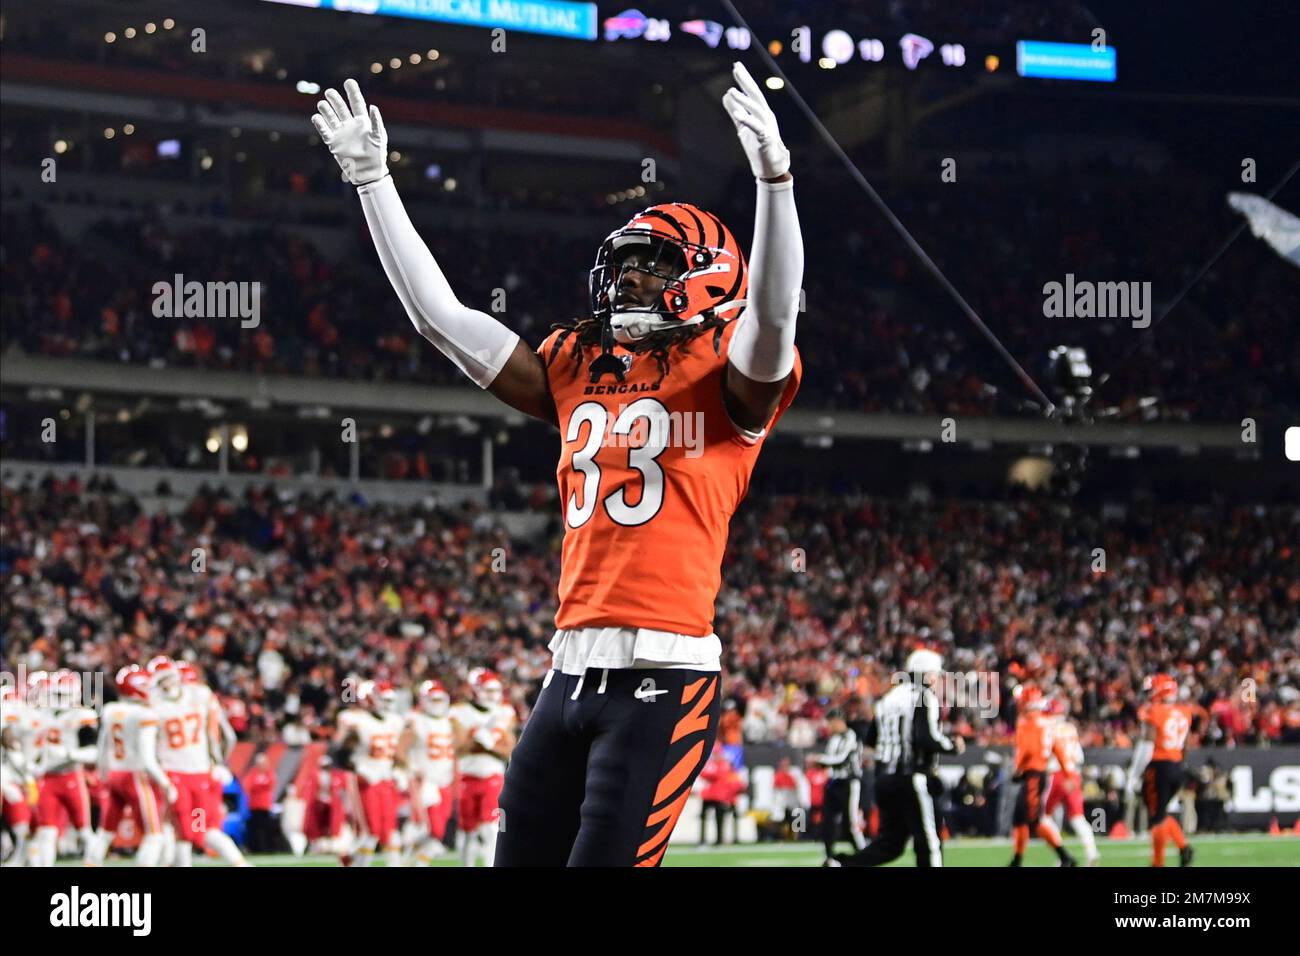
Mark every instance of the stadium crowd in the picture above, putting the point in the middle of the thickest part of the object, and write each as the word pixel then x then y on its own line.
pixel 278 600
pixel 900 347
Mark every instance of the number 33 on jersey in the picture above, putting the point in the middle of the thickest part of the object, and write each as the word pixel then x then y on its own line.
pixel 651 470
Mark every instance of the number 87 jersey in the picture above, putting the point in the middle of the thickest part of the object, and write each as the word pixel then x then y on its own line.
pixel 651 469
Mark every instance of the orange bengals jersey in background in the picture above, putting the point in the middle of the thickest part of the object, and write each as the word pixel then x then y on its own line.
pixel 1033 742
pixel 1172 723
pixel 650 473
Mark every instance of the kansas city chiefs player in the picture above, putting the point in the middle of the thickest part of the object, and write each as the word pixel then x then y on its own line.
pixel 484 734
pixel 187 751
pixel 370 732
pixel 64 742
pixel 128 764
pixel 427 748
pixel 17 785
pixel 1066 769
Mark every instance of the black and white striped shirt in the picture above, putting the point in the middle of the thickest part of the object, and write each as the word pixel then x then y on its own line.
pixel 907 736
pixel 843 757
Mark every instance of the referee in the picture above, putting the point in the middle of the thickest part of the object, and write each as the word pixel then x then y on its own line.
pixel 907 739
pixel 843 763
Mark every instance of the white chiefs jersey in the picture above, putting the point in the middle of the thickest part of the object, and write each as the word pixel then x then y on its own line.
pixel 377 738
pixel 1067 735
pixel 471 718
pixel 183 733
pixel 433 754
pixel 16 717
pixel 56 737
pixel 124 728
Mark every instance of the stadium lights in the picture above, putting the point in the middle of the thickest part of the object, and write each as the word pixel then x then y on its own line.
pixel 415 59
pixel 775 48
pixel 992 62
pixel 109 133
pixel 395 157
pixel 826 63
pixel 110 37
pixel 306 86
pixel 129 33
pixel 449 185
pixel 376 68
pixel 128 129
pixel 395 63
pixel 150 27
pixel 239 439
pixel 775 83
pixel 434 54
pixel 213 444
pixel 168 23
pixel 205 162
pixel 61 146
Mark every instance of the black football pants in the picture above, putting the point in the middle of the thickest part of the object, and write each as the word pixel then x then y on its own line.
pixel 907 812
pixel 603 767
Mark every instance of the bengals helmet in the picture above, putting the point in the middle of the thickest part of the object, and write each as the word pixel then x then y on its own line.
pixel 1161 688
pixel 1030 697
pixel 698 256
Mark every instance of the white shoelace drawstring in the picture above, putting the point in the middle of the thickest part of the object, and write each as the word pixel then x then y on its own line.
pixel 604 680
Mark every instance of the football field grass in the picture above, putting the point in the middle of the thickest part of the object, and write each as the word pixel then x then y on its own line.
pixel 1211 851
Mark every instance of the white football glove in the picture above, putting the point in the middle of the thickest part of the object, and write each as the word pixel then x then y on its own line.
pixel 756 126
pixel 355 136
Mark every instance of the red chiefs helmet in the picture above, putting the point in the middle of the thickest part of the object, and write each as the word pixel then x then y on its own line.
pixel 133 682
pixel 691 249
pixel 1030 697
pixel 166 675
pixel 377 695
pixel 1161 688
pixel 486 687
pixel 189 673
pixel 433 698
pixel 1056 707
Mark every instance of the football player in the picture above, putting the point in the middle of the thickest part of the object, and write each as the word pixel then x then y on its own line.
pixel 128 764
pixel 17 785
pixel 1034 747
pixel 370 733
pixel 1065 769
pixel 65 743
pixel 483 732
pixel 427 748
pixel 663 396
pixel 187 731
pixel 1157 767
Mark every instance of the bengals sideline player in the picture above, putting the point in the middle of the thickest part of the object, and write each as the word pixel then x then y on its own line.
pixel 682 334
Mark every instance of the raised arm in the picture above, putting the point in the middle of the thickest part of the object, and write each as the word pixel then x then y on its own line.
pixel 492 355
pixel 761 356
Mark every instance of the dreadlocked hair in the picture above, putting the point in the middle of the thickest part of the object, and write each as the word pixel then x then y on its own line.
pixel 585 334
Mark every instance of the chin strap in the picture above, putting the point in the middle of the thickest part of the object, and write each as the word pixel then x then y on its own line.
pixel 607 361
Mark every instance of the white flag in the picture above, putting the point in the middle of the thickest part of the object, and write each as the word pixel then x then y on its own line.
pixel 1279 228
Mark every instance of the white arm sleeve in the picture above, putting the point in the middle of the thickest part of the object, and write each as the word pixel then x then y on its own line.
pixel 149 755
pixel 476 342
pixel 763 345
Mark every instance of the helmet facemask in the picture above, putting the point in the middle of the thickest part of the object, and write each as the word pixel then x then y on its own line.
pixel 664 258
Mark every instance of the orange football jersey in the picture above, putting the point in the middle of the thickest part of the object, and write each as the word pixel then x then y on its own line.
pixel 1172 723
pixel 1033 741
pixel 650 473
